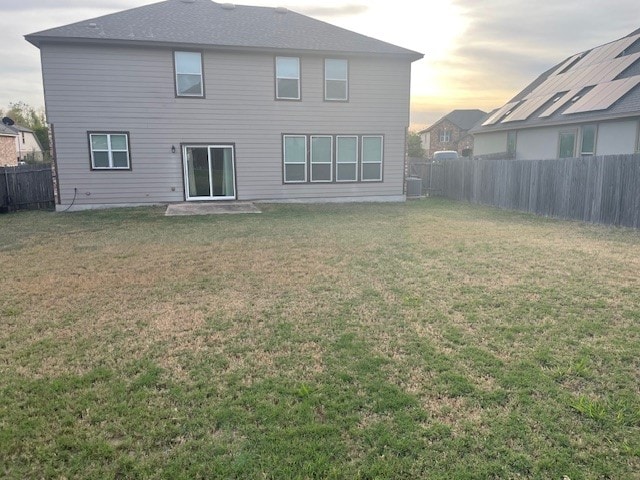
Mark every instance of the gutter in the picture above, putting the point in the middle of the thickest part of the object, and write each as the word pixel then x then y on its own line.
pixel 555 123
pixel 38 41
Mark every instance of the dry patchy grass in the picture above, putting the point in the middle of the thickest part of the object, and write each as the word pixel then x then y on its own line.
pixel 431 339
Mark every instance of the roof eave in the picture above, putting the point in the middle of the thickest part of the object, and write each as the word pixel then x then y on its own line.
pixel 555 123
pixel 39 40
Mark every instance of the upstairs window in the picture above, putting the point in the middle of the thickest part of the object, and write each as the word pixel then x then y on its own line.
pixel 336 79
pixel 188 66
pixel 109 151
pixel 588 143
pixel 445 135
pixel 287 78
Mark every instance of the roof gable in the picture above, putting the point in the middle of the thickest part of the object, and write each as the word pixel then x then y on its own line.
pixel 205 23
pixel 464 119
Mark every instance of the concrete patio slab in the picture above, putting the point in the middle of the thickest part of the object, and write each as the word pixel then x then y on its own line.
pixel 210 208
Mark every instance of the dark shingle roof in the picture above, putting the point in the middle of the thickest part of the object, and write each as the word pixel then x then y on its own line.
pixel 465 119
pixel 7 130
pixel 206 23
pixel 628 105
pixel 15 128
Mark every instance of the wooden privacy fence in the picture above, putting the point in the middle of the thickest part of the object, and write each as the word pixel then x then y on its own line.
pixel 26 187
pixel 592 189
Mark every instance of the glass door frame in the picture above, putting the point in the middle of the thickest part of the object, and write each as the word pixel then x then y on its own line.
pixel 185 171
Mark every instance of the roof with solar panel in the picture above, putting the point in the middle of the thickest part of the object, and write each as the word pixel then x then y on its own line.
pixel 597 84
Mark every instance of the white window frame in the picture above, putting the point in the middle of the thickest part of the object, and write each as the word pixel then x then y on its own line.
pixel 595 139
pixel 445 135
pixel 312 163
pixel 328 79
pixel 285 163
pixel 177 73
pixel 364 161
pixel 278 77
pixel 110 150
pixel 355 162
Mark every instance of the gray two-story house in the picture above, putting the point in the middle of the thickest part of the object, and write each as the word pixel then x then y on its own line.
pixel 188 100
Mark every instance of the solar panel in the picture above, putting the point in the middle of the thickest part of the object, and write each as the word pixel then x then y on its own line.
pixel 597 68
pixel 526 108
pixel 499 113
pixel 604 95
pixel 560 103
pixel 566 64
pixel 606 52
pixel 585 76
pixel 605 72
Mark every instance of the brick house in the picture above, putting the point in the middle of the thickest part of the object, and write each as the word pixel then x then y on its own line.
pixel 7 146
pixel 451 132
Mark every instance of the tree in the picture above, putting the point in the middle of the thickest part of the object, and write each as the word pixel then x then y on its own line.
pixel 414 145
pixel 27 116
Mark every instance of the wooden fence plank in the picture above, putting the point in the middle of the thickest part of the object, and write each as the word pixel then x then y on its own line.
pixel 592 189
pixel 26 187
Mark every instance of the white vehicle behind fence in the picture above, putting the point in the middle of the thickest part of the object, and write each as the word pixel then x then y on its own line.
pixel 445 155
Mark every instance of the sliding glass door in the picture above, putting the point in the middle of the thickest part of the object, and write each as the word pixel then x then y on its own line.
pixel 209 172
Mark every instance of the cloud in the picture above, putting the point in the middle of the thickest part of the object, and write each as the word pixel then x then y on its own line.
pixel 506 44
pixel 39 5
pixel 518 38
pixel 335 11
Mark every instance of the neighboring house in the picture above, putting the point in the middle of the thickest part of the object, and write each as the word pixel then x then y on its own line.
pixel 7 146
pixel 195 100
pixel 451 132
pixel 27 144
pixel 24 145
pixel 588 104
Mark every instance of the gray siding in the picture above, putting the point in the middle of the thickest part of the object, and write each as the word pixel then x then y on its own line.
pixel 614 138
pixel 91 88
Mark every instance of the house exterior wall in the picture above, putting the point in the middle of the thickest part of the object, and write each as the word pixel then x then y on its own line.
pixel 8 154
pixel 456 134
pixel 26 143
pixel 613 138
pixel 425 139
pixel 131 89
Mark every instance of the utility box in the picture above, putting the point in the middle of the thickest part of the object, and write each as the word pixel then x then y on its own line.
pixel 414 186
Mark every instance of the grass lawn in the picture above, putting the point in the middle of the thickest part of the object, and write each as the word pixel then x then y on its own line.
pixel 421 340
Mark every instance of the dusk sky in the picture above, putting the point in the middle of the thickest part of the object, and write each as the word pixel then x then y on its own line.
pixel 477 54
